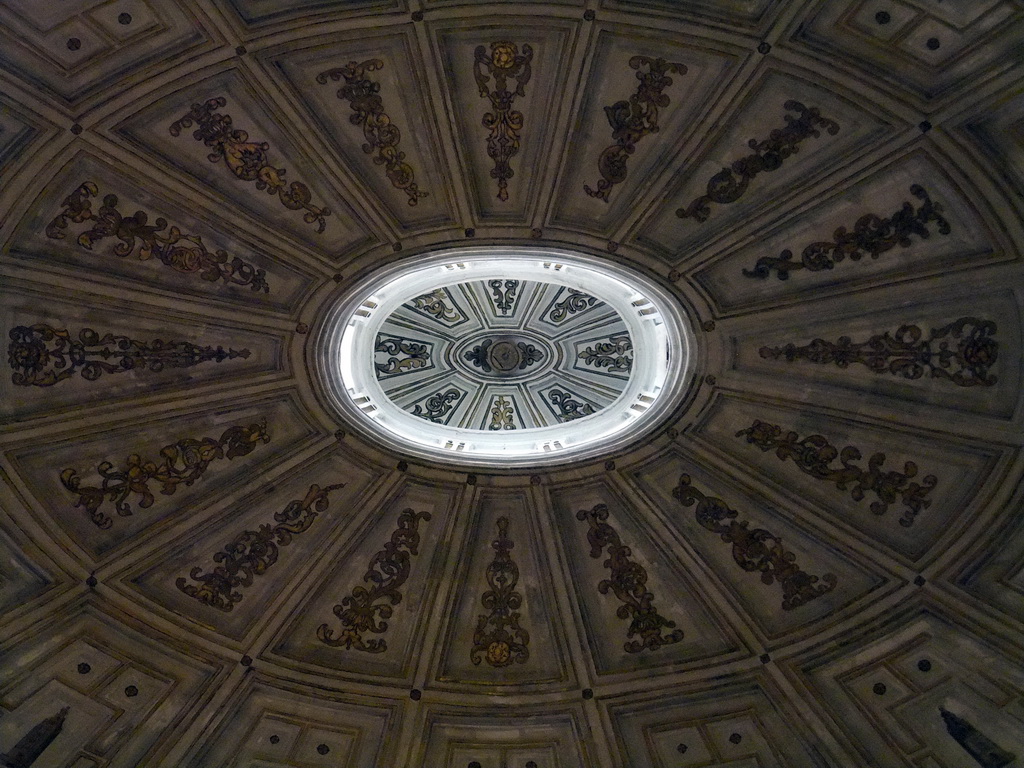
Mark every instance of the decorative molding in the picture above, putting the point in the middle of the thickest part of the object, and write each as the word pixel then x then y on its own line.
pixel 182 253
pixel 252 553
pixel 367 610
pixel 629 584
pixel 404 356
pixel 768 155
pixel 503 356
pixel 904 354
pixel 568 407
pixel 41 355
pixel 438 407
pixel 614 354
pixel 814 454
pixel 247 160
pixel 871 236
pixel 755 550
pixel 498 638
pixel 502 414
pixel 574 301
pixel 503 63
pixel 382 136
pixel 632 120
pixel 182 462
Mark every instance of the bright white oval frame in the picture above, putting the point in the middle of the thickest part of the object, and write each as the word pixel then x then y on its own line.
pixel 662 365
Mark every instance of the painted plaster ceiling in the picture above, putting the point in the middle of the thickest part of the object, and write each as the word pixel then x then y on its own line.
pixel 816 559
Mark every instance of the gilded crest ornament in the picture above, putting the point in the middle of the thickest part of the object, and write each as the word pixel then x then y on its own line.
pixel 628 582
pixel 252 553
pixel 382 136
pixel 814 456
pixel 871 236
pixel 247 160
pixel 504 62
pixel 181 463
pixel 632 120
pixel 502 414
pixel 41 355
pixel 182 253
pixel 729 184
pixel 757 550
pixel 568 408
pixel 498 639
pixel 402 356
pixel 367 610
pixel 961 352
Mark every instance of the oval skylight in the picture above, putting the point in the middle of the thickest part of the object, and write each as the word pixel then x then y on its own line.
pixel 506 357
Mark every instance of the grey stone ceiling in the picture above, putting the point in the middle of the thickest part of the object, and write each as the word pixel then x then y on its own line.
pixel 817 560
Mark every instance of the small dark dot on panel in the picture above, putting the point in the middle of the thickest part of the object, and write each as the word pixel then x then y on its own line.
pixel 339 434
pixel 470 479
pixel 924 665
pixel 925 126
pixel 470 232
pixel 535 480
pixel 765 658
pixel 124 18
pixel 337 277
pixel 681 748
pixel 274 739
pixel 710 379
pixel 76 129
pixel 323 749
pixel 589 15
pixel 674 276
pixel 301 328
pixel 246 660
pixel 933 44
pixel 84 669
pixel 764 48
pixel 735 738
pixel 473 764
pixel 609 465
pixel 403 466
pixel 537 233
pixel 708 325
pixel 74 43
pixel 531 764
pixel 417 16
pixel 92 581
pixel 588 693
pixel 879 689
pixel 415 694
pixel 131 691
pixel 612 246
pixel 919 580
pixel 672 433
pixel 241 50
pixel 883 17
pixel 396 247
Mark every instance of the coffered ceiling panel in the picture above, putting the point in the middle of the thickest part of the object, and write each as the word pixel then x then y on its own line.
pixel 24 574
pixel 267 11
pixel 224 134
pixel 17 133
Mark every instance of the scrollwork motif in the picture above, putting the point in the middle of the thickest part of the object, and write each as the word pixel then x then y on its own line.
pixel 574 301
pixel 247 160
pixel 814 455
pixel 41 355
pixel 871 235
pixel 757 550
pixel 729 184
pixel 181 463
pixel 504 292
pixel 252 553
pixel 498 639
pixel 438 407
pixel 502 414
pixel 503 63
pixel 632 120
pixel 961 352
pixel 435 305
pixel 382 136
pixel 629 584
pixel 616 354
pixel 405 356
pixel 367 610
pixel 182 253
pixel 568 407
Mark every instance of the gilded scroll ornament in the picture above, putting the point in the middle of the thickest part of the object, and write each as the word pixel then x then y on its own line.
pixel 615 354
pixel 181 463
pixel 498 639
pixel 382 136
pixel 632 120
pixel 247 160
pixel 438 407
pixel 403 356
pixel 367 610
pixel 960 353
pixel 252 553
pixel 182 253
pixel 41 355
pixel 436 305
pixel 729 184
pixel 757 550
pixel 871 235
pixel 569 408
pixel 574 301
pixel 504 293
pixel 814 456
pixel 502 414
pixel 503 63
pixel 628 582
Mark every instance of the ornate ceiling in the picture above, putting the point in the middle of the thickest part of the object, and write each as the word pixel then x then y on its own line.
pixel 817 559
